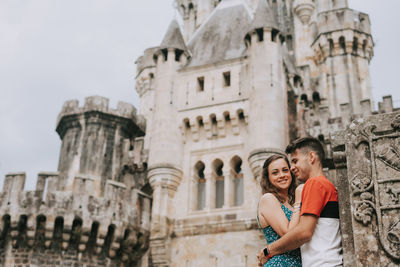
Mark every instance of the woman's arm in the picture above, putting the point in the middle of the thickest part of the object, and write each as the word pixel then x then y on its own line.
pixel 271 213
pixel 296 208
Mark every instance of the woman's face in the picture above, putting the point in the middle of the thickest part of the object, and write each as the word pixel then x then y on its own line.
pixel 279 174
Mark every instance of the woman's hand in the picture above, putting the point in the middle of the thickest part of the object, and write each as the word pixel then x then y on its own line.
pixel 298 192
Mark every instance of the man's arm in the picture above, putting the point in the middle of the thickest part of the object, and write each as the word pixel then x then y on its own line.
pixel 296 237
pixel 301 234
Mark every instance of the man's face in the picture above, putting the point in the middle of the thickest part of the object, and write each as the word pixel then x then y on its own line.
pixel 300 165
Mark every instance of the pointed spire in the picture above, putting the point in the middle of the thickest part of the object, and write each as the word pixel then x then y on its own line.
pixel 264 17
pixel 173 38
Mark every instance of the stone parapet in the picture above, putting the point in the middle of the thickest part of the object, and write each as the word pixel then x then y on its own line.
pixel 212 224
pixel 343 18
pixel 146 60
pixel 100 104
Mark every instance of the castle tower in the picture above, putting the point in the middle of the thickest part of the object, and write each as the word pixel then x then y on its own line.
pixel 194 13
pixel 95 210
pixel 343 49
pixel 165 143
pixel 93 140
pixel 305 31
pixel 268 97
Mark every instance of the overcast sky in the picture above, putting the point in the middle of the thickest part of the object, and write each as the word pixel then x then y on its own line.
pixel 56 50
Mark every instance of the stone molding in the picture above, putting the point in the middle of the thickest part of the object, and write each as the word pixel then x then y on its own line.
pixel 213 225
pixel 165 175
pixel 257 157
pixel 304 10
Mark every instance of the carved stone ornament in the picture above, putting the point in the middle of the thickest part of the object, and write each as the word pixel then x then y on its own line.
pixel 396 122
pixel 388 199
pixel 376 189
pixel 364 209
pixel 391 157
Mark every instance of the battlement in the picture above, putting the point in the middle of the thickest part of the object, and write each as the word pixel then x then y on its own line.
pixel 112 224
pixel 101 104
pixel 321 125
pixel 343 18
pixel 146 60
pixel 341 42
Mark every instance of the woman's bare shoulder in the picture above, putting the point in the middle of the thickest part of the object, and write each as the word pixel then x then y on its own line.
pixel 269 199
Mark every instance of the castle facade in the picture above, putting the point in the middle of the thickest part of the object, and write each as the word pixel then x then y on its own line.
pixel 176 183
pixel 232 86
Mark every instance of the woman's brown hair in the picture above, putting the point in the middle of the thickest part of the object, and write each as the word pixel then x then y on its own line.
pixel 266 185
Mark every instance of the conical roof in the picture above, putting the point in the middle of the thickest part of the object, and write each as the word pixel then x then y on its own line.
pixel 173 38
pixel 264 17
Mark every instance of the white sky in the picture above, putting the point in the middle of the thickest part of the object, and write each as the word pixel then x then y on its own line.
pixel 56 50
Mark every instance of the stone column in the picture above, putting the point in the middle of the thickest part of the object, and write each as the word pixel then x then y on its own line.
pixel 164 179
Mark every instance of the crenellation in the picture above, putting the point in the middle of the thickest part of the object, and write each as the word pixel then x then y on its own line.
pixel 146 60
pixel 387 104
pixel 338 19
pixel 366 106
pixel 96 103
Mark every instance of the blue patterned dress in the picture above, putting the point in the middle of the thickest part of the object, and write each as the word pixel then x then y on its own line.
pixel 288 259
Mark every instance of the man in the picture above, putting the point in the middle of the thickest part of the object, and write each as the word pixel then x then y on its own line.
pixel 318 231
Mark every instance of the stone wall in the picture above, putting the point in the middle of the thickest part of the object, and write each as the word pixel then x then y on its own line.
pixel 367 158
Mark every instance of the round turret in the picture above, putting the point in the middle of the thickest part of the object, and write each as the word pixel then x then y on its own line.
pixel 304 9
pixel 92 139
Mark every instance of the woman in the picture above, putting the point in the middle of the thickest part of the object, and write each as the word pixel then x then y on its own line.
pixel 279 207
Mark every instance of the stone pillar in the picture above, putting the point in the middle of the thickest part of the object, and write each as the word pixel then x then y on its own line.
pixel 164 179
pixel 367 161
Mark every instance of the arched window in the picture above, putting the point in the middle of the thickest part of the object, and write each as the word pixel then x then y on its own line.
pixel 238 186
pixel 355 45
pixel 201 185
pixel 219 183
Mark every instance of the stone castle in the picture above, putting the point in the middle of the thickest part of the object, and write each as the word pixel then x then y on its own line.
pixel 178 183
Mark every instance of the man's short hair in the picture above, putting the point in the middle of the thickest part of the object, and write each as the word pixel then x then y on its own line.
pixel 308 143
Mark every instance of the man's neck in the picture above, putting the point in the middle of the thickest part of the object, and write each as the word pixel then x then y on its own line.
pixel 316 172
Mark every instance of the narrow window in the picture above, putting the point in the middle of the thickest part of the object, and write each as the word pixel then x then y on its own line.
pixel 289 42
pixel 274 34
pixel 236 165
pixel 214 125
pixel 364 46
pixel 331 47
pixel 219 183
pixel 227 78
pixel 201 185
pixel 201 194
pixel 260 34
pixel 219 192
pixel 342 43
pixel 355 45
pixel 200 84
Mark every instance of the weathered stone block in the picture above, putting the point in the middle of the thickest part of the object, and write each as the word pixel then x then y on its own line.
pixel 367 158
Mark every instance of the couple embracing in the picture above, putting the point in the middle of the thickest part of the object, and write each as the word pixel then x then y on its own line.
pixel 300 224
